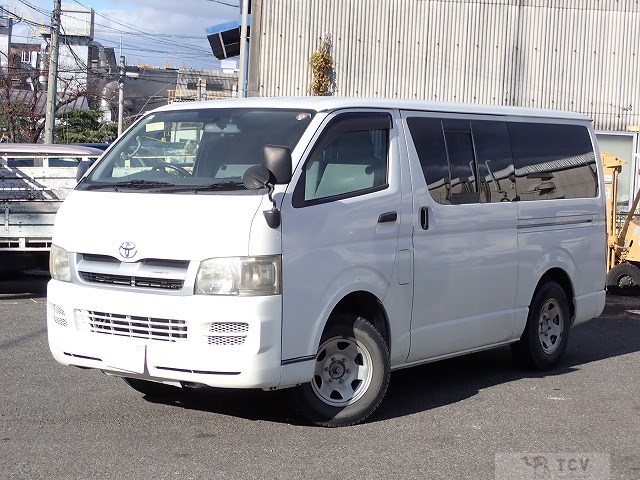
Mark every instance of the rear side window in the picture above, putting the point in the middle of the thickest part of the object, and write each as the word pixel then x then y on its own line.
pixel 492 161
pixel 24 162
pixel 495 164
pixel 553 161
pixel 462 162
pixel 428 139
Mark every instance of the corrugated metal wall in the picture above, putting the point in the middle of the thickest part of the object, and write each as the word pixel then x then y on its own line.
pixel 565 54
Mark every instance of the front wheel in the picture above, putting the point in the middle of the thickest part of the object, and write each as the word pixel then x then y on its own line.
pixel 546 334
pixel 351 374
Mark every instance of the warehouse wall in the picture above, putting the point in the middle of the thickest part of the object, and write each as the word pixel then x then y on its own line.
pixel 534 53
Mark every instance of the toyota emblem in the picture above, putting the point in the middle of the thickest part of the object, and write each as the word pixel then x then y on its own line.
pixel 128 250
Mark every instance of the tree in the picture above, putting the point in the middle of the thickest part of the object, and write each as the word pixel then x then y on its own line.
pixel 78 126
pixel 322 70
pixel 23 101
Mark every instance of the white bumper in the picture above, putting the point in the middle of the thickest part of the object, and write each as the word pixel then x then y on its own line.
pixel 231 342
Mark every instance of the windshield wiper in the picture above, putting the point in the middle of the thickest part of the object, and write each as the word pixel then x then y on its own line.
pixel 232 185
pixel 137 184
pixel 212 187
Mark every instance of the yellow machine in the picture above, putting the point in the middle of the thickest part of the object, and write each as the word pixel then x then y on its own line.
pixel 623 252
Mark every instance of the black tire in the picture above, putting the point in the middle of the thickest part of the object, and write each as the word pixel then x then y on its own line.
pixel 546 334
pixel 624 278
pixel 152 389
pixel 351 374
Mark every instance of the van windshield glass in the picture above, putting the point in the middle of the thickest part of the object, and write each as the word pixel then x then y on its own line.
pixel 195 150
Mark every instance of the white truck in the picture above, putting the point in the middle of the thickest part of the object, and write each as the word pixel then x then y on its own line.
pixel 34 181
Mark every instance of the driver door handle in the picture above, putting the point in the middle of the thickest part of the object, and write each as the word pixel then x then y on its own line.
pixel 388 217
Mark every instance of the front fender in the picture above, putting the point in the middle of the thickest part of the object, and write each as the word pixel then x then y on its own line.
pixel 355 279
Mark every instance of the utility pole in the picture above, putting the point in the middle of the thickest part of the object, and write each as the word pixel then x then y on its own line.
pixel 199 89
pixel 244 57
pixel 52 83
pixel 124 71
pixel 121 73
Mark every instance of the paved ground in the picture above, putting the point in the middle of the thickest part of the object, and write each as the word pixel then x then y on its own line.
pixel 446 420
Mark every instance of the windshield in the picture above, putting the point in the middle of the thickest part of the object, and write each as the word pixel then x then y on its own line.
pixel 195 150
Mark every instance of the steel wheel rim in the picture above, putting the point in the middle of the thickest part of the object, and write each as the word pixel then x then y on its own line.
pixel 343 371
pixel 550 326
pixel 625 281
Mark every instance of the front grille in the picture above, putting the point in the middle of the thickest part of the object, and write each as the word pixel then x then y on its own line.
pixel 226 340
pixel 229 327
pixel 132 326
pixel 227 333
pixel 141 282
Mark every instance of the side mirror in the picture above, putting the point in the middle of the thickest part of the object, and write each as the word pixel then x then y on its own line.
pixel 83 167
pixel 275 170
pixel 277 160
pixel 259 176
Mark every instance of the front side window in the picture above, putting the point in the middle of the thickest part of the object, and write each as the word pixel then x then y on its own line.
pixel 195 149
pixel 352 162
pixel 64 161
pixel 349 159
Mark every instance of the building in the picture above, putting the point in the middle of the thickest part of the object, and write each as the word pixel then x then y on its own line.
pixel 84 65
pixel 558 54
pixel 195 85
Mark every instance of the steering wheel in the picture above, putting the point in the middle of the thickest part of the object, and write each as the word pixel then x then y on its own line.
pixel 177 168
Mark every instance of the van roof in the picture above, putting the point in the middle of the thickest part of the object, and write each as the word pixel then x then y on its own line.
pixel 45 149
pixel 324 104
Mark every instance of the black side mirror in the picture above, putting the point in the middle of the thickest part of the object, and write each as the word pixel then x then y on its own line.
pixel 277 160
pixel 83 167
pixel 275 170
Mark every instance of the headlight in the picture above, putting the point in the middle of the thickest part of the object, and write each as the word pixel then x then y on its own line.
pixel 59 266
pixel 239 276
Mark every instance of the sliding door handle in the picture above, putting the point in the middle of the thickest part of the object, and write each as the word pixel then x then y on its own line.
pixel 424 218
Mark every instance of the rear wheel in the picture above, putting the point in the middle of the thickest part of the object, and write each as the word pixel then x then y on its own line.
pixel 152 389
pixel 351 374
pixel 546 334
pixel 623 278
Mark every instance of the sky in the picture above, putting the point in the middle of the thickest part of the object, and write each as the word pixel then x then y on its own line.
pixel 154 32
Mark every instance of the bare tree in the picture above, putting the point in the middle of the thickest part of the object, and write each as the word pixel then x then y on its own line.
pixel 23 100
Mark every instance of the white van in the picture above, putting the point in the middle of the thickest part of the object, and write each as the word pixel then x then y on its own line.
pixel 323 242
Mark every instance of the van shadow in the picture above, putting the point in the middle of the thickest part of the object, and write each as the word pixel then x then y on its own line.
pixel 616 332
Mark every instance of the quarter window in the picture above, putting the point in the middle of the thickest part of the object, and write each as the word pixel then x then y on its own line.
pixel 553 161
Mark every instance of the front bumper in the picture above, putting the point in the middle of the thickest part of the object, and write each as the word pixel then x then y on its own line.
pixel 230 342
